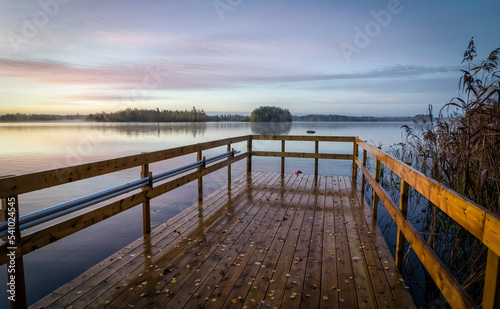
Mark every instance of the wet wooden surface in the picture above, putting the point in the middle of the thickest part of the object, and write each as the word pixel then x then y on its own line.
pixel 266 242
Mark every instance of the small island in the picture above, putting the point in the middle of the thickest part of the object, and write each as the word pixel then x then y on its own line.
pixel 270 114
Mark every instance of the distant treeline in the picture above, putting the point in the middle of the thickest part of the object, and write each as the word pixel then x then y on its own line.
pixel 314 117
pixel 261 114
pixel 150 115
pixel 37 117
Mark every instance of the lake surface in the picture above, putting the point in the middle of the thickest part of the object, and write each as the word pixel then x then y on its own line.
pixel 32 147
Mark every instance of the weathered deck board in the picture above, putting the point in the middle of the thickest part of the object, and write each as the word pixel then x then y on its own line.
pixel 271 241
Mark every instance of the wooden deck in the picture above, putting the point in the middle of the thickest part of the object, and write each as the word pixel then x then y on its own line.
pixel 267 241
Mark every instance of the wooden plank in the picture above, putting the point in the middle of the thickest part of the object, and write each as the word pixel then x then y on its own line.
pixel 267 272
pixel 246 280
pixel 35 181
pixel 491 291
pixel 347 292
pixel 361 282
pixel 163 236
pixel 233 286
pixel 311 292
pixel 445 281
pixel 303 155
pixel 305 138
pixel 491 234
pixel 279 281
pixel 378 256
pixel 294 292
pixel 329 277
pixel 465 212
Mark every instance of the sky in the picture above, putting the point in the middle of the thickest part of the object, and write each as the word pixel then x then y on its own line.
pixel 363 58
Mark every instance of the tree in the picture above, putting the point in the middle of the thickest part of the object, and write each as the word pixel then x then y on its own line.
pixel 270 114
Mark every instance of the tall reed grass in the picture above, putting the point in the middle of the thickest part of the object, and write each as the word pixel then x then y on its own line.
pixel 460 147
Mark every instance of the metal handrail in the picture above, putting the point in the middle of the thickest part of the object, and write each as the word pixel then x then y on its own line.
pixel 57 211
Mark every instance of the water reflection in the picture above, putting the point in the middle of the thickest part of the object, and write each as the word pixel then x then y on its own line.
pixel 129 129
pixel 271 128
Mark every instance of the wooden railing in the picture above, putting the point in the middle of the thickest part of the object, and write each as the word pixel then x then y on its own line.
pixel 480 222
pixel 16 245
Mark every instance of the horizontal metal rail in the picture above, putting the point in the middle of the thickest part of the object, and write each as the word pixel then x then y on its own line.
pixel 57 211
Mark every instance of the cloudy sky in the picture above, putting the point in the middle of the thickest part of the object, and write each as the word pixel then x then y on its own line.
pixel 312 56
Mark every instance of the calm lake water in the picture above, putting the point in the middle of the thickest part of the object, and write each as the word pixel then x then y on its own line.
pixel 33 147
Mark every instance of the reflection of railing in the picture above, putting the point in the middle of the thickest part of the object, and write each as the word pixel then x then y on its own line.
pixel 479 221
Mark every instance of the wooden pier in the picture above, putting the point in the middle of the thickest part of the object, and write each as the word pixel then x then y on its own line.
pixel 264 240
pixel 267 241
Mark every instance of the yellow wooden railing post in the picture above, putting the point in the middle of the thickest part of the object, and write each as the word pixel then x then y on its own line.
pixel 363 178
pixel 146 205
pixel 316 151
pixel 375 196
pixel 491 291
pixel 354 165
pixel 282 158
pixel 16 284
pixel 249 159
pixel 400 243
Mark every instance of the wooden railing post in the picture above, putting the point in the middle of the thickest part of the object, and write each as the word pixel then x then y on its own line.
pixel 363 178
pixel 375 196
pixel 400 243
pixel 229 165
pixel 316 151
pixel 146 205
pixel 200 179
pixel 249 159
pixel 16 285
pixel 491 291
pixel 354 165
pixel 282 158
